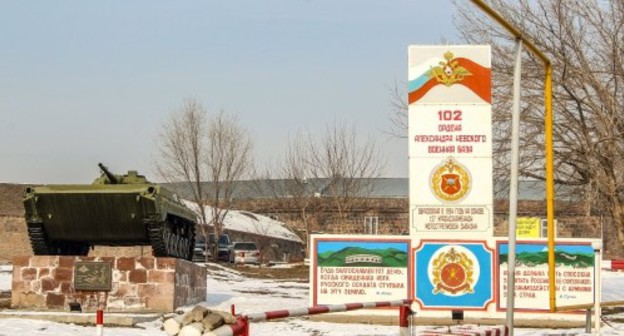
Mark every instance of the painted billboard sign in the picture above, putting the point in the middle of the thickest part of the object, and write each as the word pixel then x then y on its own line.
pixel 450 148
pixel 359 269
pixel 574 275
pixel 453 275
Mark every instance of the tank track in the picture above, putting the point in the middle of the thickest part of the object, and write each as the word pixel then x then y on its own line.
pixel 171 238
pixel 38 240
pixel 155 236
pixel 42 246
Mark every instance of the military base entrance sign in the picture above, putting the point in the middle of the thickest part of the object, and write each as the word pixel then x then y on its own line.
pixel 450 168
pixel 450 141
pixel 451 260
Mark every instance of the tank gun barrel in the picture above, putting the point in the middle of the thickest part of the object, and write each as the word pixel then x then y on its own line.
pixel 110 176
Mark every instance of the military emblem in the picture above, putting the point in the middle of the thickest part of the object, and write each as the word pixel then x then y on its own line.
pixel 449 72
pixel 450 181
pixel 453 271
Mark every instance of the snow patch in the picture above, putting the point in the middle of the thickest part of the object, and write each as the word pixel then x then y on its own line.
pixel 245 221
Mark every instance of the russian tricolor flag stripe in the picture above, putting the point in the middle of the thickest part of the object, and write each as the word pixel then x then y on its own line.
pixel 478 82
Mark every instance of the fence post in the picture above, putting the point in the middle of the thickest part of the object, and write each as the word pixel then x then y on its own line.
pixel 99 322
pixel 404 314
pixel 245 329
pixel 241 327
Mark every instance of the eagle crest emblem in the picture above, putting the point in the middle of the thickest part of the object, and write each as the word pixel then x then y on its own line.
pixel 448 72
pixel 452 273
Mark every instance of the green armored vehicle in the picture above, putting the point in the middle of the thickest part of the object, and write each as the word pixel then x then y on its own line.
pixel 115 210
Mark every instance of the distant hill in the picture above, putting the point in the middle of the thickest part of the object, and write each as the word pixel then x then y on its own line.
pixel 390 257
pixel 561 258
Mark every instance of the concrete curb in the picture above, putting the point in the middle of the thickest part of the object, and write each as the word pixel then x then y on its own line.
pixel 432 321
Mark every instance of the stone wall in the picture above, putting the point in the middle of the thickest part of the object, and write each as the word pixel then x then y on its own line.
pixel 138 284
pixel 14 240
pixel 392 214
pixel 573 219
pixel 190 283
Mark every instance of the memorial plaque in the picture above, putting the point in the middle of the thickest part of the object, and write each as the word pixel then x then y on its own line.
pixel 92 276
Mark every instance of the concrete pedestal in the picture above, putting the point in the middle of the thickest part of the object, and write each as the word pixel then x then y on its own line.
pixel 138 284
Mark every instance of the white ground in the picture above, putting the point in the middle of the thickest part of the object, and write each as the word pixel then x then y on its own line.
pixel 227 287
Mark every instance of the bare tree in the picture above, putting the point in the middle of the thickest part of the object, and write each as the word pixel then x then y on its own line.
pixel 336 166
pixel 583 39
pixel 195 148
pixel 297 171
pixel 181 151
pixel 397 115
pixel 229 158
pixel 349 165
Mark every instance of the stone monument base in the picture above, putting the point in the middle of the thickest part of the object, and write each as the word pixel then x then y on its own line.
pixel 136 284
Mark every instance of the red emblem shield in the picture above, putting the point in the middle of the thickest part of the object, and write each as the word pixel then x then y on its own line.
pixel 453 275
pixel 450 184
pixel 453 279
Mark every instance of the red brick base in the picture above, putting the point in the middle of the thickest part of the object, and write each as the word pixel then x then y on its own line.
pixel 138 284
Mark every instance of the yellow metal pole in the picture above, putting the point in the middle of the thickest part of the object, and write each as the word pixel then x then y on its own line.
pixel 548 125
pixel 550 184
pixel 511 29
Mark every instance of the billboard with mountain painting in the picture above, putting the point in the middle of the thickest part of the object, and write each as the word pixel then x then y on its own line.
pixel 574 275
pixel 360 269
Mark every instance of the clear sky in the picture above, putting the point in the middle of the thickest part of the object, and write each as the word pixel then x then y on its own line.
pixel 83 82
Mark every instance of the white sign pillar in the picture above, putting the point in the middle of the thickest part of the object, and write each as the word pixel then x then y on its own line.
pixel 513 188
pixel 450 142
pixel 598 285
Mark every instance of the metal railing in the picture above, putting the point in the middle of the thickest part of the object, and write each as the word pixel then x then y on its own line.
pixel 241 327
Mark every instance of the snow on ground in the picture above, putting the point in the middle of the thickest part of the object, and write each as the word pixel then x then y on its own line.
pixel 612 286
pixel 227 287
pixel 28 327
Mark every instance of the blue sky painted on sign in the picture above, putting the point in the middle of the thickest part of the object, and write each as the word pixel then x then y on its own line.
pixel 532 248
pixel 324 246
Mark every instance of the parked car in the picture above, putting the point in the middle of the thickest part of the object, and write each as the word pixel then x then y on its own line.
pixel 244 253
pixel 200 252
pixel 224 246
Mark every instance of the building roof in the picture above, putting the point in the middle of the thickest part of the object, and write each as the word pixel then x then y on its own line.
pixel 244 221
pixel 378 188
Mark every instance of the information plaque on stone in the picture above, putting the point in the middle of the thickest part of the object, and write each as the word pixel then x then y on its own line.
pixel 92 276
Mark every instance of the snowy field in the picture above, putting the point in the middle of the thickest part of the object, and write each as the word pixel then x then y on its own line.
pixel 227 287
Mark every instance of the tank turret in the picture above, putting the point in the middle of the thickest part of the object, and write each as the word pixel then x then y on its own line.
pixel 132 177
pixel 115 210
